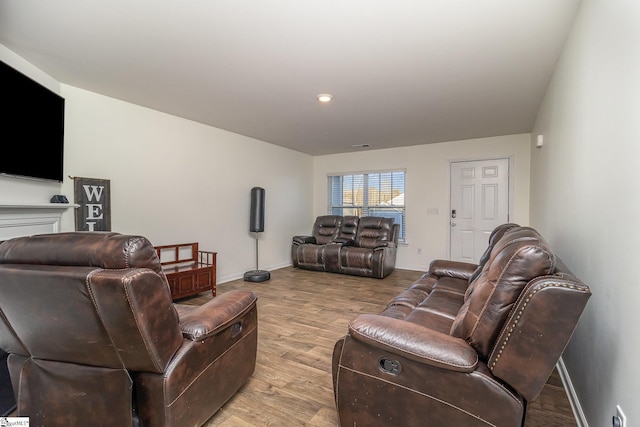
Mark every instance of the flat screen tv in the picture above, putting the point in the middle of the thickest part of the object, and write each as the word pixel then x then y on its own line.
pixel 32 128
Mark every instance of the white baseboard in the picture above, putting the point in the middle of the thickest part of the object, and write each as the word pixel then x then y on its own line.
pixel 423 268
pixel 578 413
pixel 236 276
pixel 229 278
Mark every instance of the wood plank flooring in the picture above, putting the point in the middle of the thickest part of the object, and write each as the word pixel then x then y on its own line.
pixel 301 314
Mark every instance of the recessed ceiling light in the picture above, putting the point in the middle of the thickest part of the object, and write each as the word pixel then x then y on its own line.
pixel 325 97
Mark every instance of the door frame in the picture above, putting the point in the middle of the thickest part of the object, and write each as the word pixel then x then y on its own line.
pixel 477 159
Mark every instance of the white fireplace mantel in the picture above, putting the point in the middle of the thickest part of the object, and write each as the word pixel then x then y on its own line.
pixel 25 219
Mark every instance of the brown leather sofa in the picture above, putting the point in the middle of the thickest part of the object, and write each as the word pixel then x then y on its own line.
pixel 465 345
pixel 348 244
pixel 95 339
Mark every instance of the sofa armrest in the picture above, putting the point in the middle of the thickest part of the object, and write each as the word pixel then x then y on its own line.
pixel 455 269
pixel 384 244
pixel 537 331
pixel 343 242
pixel 200 322
pixel 414 342
pixel 299 240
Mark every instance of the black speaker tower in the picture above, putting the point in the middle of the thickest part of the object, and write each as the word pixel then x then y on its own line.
pixel 256 225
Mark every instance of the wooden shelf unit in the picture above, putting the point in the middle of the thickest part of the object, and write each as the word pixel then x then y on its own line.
pixel 189 270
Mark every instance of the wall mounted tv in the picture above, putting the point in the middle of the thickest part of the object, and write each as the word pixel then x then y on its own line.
pixel 32 128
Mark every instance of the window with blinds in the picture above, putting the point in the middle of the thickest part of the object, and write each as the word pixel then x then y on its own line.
pixel 369 194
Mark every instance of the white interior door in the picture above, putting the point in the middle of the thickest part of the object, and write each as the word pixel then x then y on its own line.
pixel 479 203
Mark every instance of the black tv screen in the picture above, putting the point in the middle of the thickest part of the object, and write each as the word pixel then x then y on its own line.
pixel 32 128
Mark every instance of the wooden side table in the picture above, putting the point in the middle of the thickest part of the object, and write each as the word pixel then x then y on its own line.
pixel 189 270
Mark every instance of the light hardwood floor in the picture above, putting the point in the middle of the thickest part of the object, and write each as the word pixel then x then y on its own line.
pixel 301 314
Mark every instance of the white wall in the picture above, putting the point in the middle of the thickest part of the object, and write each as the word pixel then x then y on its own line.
pixel 584 198
pixel 427 184
pixel 175 180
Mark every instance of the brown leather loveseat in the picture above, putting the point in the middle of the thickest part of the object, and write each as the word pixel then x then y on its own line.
pixel 95 339
pixel 466 345
pixel 348 244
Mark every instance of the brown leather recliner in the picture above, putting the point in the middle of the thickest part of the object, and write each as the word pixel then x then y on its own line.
pixel 351 245
pixel 461 347
pixel 95 339
pixel 308 251
pixel 373 253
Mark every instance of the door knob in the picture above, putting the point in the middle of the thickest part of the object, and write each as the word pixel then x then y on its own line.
pixel 453 223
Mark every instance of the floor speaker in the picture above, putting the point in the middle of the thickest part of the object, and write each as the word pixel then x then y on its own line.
pixel 256 225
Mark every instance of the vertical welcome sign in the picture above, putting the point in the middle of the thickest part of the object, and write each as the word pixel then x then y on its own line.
pixel 94 197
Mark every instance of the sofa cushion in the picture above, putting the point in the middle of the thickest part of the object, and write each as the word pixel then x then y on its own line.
pixel 326 228
pixel 356 257
pixel 494 237
pixel 373 230
pixel 310 256
pixel 518 257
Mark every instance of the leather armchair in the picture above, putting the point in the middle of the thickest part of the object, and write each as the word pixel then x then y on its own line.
pixel 308 251
pixel 373 253
pixel 94 336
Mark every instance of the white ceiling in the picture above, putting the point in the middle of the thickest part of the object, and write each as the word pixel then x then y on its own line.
pixel 402 72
